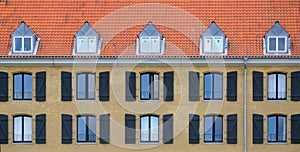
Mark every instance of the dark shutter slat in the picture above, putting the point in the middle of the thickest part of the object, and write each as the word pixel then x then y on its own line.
pixel 168 129
pixel 3 129
pixel 40 86
pixel 232 129
pixel 194 125
pixel 66 86
pixel 232 86
pixel 104 129
pixel 258 129
pixel 295 129
pixel 130 135
pixel 104 86
pixel 66 129
pixel 194 94
pixel 258 86
pixel 40 129
pixel 130 86
pixel 295 86
pixel 3 86
pixel 169 86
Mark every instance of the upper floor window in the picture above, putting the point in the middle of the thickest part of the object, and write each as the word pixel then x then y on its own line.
pixel 277 128
pixel 86 44
pixel 22 44
pixel 85 86
pixel 213 129
pixel 213 86
pixel 277 44
pixel 22 129
pixel 213 44
pixel 277 86
pixel 86 129
pixel 149 86
pixel 149 129
pixel 22 86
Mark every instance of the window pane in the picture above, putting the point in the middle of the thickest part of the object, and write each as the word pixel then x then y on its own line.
pixel 281 44
pixel 81 128
pixel 218 44
pixel 18 86
pixel 92 128
pixel 154 128
pixel 218 86
pixel 145 45
pixel 27 86
pixel 145 88
pixel 81 45
pixel 155 45
pixel 208 45
pixel 207 86
pixel 218 129
pixel 91 86
pixel 281 86
pixel 92 44
pixel 27 129
pixel 18 129
pixel 281 128
pixel 81 86
pixel 272 86
pixel 18 44
pixel 145 128
pixel 208 132
pixel 156 86
pixel 272 44
pixel 27 44
pixel 272 128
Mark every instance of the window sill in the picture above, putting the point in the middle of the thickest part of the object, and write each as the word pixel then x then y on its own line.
pixel 20 143
pixel 277 100
pixel 149 142
pixel 149 100
pixel 213 100
pixel 85 100
pixel 277 143
pixel 22 101
pixel 85 143
pixel 213 143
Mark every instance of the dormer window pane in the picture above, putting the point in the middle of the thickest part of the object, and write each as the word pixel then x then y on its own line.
pixel 18 44
pixel 92 44
pixel 208 45
pixel 281 44
pixel 272 44
pixel 218 44
pixel 145 45
pixel 27 44
pixel 155 45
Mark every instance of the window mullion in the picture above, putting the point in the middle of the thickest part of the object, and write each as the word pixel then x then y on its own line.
pixel 149 127
pixel 213 85
pixel 213 129
pixel 86 128
pixel 23 82
pixel 86 86
pixel 23 129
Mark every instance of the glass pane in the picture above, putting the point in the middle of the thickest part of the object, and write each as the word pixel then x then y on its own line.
pixel 208 132
pixel 145 128
pixel 27 44
pixel 91 86
pixel 154 128
pixel 156 86
pixel 92 44
pixel 27 86
pixel 18 129
pixel 218 44
pixel 281 44
pixel 207 86
pixel 272 44
pixel 81 45
pixel 281 86
pixel 281 128
pixel 272 128
pixel 81 86
pixel 92 128
pixel 155 45
pixel 27 129
pixel 218 86
pixel 18 86
pixel 208 45
pixel 272 86
pixel 145 86
pixel 145 45
pixel 218 129
pixel 18 44
pixel 81 128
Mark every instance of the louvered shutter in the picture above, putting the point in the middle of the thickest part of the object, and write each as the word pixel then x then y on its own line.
pixel 194 94
pixel 66 129
pixel 130 135
pixel 194 125
pixel 40 129
pixel 168 129
pixel 130 86
pixel 3 129
pixel 169 86
pixel 232 129
pixel 295 129
pixel 40 86
pixel 3 86
pixel 104 86
pixel 258 86
pixel 66 86
pixel 104 129
pixel 258 129
pixel 232 86
pixel 295 86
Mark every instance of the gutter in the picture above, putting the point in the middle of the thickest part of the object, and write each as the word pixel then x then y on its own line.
pixel 245 104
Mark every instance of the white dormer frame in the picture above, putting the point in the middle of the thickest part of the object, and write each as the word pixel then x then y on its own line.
pixel 161 44
pixel 202 45
pixel 22 50
pixel 277 43
pixel 86 51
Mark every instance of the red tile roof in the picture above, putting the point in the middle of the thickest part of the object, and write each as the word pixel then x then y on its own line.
pixel 118 22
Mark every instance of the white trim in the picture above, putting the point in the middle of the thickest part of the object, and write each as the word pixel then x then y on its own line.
pixel 276 51
pixel 14 51
pixel 161 44
pixel 86 50
pixel 213 51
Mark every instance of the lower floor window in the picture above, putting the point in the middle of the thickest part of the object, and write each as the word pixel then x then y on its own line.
pixel 276 129
pixel 22 129
pixel 86 129
pixel 213 126
pixel 149 129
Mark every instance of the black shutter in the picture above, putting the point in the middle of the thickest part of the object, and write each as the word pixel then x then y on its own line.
pixel 194 125
pixel 3 129
pixel 66 86
pixel 258 129
pixel 295 86
pixel 169 86
pixel 130 86
pixel 104 129
pixel 258 86
pixel 66 129
pixel 3 86
pixel 232 86
pixel 130 134
pixel 168 129
pixel 295 129
pixel 40 126
pixel 40 86
pixel 194 94
pixel 232 129
pixel 104 86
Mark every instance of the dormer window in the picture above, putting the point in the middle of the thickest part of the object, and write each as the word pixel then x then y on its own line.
pixel 277 44
pixel 22 44
pixel 150 45
pixel 86 44
pixel 213 44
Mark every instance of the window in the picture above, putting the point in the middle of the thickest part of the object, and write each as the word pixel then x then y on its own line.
pixel 85 86
pixel 149 86
pixel 213 129
pixel 276 129
pixel 22 129
pixel 22 86
pixel 213 86
pixel 86 44
pixel 150 44
pixel 149 129
pixel 277 44
pixel 86 129
pixel 213 44
pixel 23 44
pixel 277 86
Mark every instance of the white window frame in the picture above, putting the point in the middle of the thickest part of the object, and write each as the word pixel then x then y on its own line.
pixel 86 50
pixel 213 51
pixel 277 51
pixel 22 50
pixel 150 51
